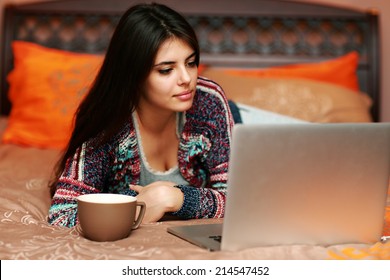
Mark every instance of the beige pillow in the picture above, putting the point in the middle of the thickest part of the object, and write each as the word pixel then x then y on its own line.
pixel 305 99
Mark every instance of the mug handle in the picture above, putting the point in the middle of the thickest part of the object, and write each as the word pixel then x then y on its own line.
pixel 141 214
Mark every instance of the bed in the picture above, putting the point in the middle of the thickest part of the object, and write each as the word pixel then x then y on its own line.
pixel 315 63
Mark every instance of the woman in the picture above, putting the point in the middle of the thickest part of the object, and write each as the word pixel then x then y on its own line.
pixel 149 127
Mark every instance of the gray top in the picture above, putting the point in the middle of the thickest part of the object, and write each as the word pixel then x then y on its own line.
pixel 148 174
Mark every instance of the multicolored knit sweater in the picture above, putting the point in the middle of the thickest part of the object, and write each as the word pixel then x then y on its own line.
pixel 202 158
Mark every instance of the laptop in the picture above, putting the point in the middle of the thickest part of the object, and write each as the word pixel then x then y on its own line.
pixel 315 184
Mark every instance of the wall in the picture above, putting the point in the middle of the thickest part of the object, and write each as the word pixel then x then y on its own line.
pixel 383 6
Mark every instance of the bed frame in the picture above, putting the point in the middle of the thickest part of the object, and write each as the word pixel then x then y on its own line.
pixel 245 33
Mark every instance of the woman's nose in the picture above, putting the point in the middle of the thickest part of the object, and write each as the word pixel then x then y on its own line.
pixel 185 76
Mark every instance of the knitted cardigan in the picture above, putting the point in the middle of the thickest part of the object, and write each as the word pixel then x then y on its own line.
pixel 203 158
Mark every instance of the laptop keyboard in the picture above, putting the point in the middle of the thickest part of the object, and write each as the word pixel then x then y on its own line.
pixel 217 238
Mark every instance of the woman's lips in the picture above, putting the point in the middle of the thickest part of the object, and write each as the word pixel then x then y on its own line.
pixel 184 96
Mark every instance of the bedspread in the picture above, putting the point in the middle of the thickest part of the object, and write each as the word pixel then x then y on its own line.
pixel 25 234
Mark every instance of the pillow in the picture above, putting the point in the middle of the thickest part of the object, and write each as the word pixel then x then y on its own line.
pixel 46 87
pixel 300 98
pixel 201 68
pixel 340 71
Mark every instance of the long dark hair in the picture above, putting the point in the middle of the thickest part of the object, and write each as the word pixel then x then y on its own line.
pixel 129 59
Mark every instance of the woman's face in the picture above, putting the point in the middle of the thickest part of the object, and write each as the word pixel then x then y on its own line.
pixel 172 81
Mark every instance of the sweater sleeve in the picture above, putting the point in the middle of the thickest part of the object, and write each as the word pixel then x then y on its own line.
pixel 210 151
pixel 84 173
pixel 201 203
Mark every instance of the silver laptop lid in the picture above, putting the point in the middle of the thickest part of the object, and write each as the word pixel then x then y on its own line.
pixel 306 184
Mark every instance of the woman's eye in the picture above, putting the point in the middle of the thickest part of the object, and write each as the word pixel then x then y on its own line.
pixel 191 64
pixel 165 71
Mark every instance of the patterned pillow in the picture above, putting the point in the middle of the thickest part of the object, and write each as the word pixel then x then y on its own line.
pixel 340 71
pixel 304 99
pixel 46 87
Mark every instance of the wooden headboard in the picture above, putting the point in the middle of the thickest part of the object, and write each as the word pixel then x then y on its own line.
pixel 245 33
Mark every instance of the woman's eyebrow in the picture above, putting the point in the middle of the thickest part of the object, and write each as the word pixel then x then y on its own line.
pixel 191 56
pixel 173 62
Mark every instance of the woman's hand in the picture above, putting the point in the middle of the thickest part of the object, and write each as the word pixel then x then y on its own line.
pixel 160 197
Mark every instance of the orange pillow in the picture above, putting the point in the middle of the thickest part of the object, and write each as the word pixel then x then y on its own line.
pixel 340 71
pixel 46 87
pixel 201 68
